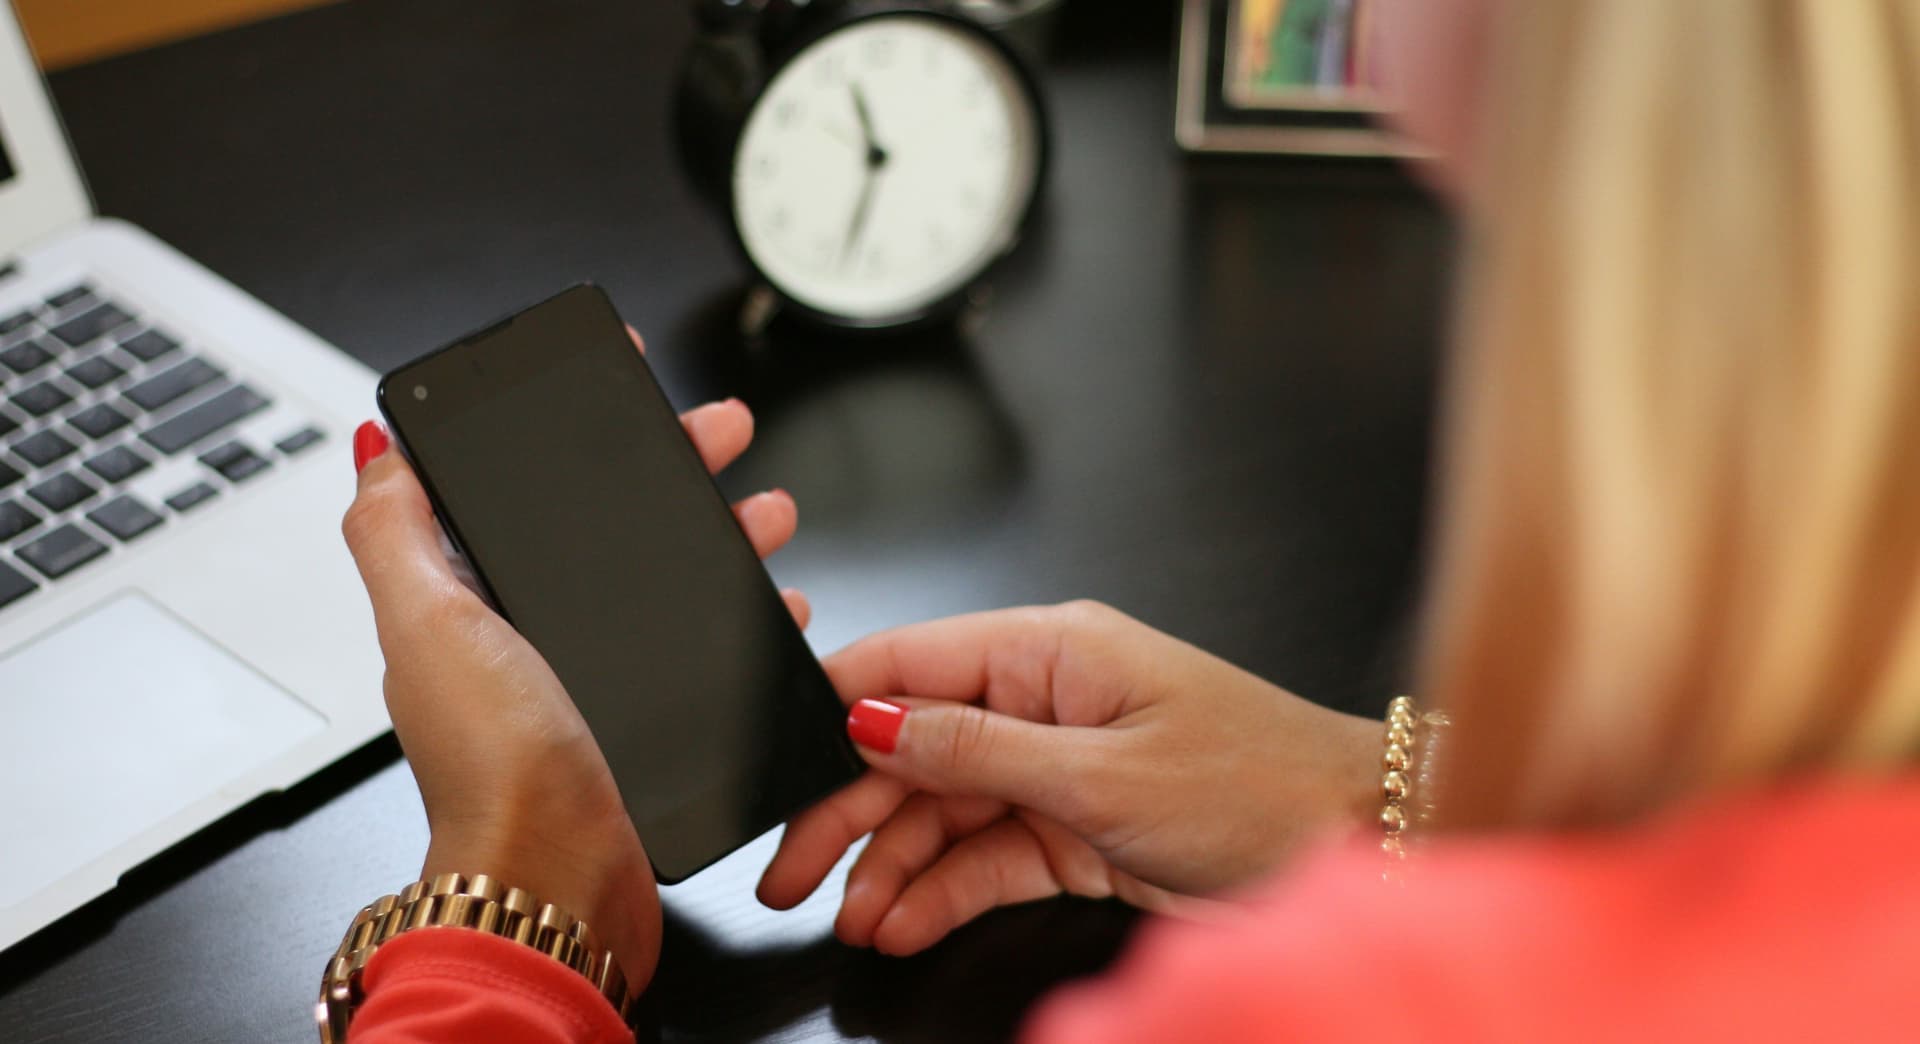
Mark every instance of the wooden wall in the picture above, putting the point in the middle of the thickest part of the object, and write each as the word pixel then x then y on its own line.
pixel 68 32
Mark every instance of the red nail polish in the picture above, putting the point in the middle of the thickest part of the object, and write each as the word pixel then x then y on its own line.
pixel 369 441
pixel 875 724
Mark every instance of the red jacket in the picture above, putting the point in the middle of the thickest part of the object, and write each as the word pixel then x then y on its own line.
pixel 1790 915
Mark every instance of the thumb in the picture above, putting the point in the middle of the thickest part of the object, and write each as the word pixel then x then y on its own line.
pixel 959 749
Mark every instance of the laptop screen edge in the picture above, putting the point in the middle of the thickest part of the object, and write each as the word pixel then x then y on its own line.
pixel 45 194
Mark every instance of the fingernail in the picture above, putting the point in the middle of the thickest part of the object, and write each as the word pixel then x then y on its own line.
pixel 369 441
pixel 875 724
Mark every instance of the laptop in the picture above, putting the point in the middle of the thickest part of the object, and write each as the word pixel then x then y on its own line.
pixel 181 629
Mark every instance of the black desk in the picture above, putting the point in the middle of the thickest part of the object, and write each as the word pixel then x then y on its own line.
pixel 1202 394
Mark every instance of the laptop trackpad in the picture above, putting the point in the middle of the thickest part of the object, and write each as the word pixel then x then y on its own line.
pixel 113 722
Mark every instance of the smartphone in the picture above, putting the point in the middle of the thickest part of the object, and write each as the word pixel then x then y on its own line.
pixel 560 471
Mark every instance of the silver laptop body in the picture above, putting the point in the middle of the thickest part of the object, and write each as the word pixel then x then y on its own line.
pixel 181 628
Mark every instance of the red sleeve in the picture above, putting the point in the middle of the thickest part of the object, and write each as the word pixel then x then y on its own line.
pixel 1266 976
pixel 1788 916
pixel 446 985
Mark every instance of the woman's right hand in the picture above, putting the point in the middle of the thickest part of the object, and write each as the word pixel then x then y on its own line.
pixel 1024 753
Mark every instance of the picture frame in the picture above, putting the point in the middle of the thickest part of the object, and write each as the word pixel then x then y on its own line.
pixel 1281 77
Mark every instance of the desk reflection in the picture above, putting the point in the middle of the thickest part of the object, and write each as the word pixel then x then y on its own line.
pixel 795 981
pixel 876 436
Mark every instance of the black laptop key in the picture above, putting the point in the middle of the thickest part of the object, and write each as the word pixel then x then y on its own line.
pixel 163 388
pixel 41 399
pixel 70 296
pixel 91 324
pixel 62 551
pixel 43 448
pixel 118 464
pixel 225 453
pixel 26 357
pixel 96 372
pixel 203 420
pixel 235 461
pixel 148 345
pixel 192 497
pixel 98 421
pixel 9 475
pixel 14 585
pixel 16 321
pixel 299 440
pixel 61 491
pixel 15 519
pixel 124 517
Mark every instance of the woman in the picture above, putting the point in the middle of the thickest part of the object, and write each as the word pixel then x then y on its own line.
pixel 1675 621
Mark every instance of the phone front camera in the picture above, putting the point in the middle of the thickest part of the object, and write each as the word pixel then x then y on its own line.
pixel 420 392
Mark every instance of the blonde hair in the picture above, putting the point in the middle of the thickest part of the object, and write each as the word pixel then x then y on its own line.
pixel 1680 546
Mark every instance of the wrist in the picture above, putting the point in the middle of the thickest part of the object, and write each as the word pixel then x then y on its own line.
pixel 608 886
pixel 1357 786
pixel 1325 782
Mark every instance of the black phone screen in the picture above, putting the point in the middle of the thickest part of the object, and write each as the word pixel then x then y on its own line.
pixel 561 470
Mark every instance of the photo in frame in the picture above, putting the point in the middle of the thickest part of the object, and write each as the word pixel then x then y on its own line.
pixel 1283 76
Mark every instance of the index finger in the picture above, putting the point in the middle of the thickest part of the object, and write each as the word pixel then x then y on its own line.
pixel 395 541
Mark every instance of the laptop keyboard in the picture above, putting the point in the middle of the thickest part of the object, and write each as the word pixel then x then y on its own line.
pixel 91 398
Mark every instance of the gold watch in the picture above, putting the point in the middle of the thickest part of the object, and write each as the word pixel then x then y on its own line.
pixel 454 901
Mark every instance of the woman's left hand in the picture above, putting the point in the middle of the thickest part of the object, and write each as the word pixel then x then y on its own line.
pixel 513 782
pixel 1024 753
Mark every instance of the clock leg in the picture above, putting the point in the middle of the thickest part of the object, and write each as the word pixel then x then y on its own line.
pixel 973 314
pixel 757 311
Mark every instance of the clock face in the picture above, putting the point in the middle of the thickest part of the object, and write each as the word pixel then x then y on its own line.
pixel 885 167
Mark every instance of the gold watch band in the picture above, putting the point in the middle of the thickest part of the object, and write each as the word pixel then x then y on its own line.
pixel 455 901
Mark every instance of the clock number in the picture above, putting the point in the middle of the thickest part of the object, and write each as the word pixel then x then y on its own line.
pixel 831 70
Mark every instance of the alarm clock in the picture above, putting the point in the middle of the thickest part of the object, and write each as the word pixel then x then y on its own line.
pixel 872 160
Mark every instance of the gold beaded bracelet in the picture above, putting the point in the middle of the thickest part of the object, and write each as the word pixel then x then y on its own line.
pixel 1406 786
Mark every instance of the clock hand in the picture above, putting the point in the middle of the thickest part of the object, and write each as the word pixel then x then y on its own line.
pixel 876 156
pixel 876 162
pixel 861 209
